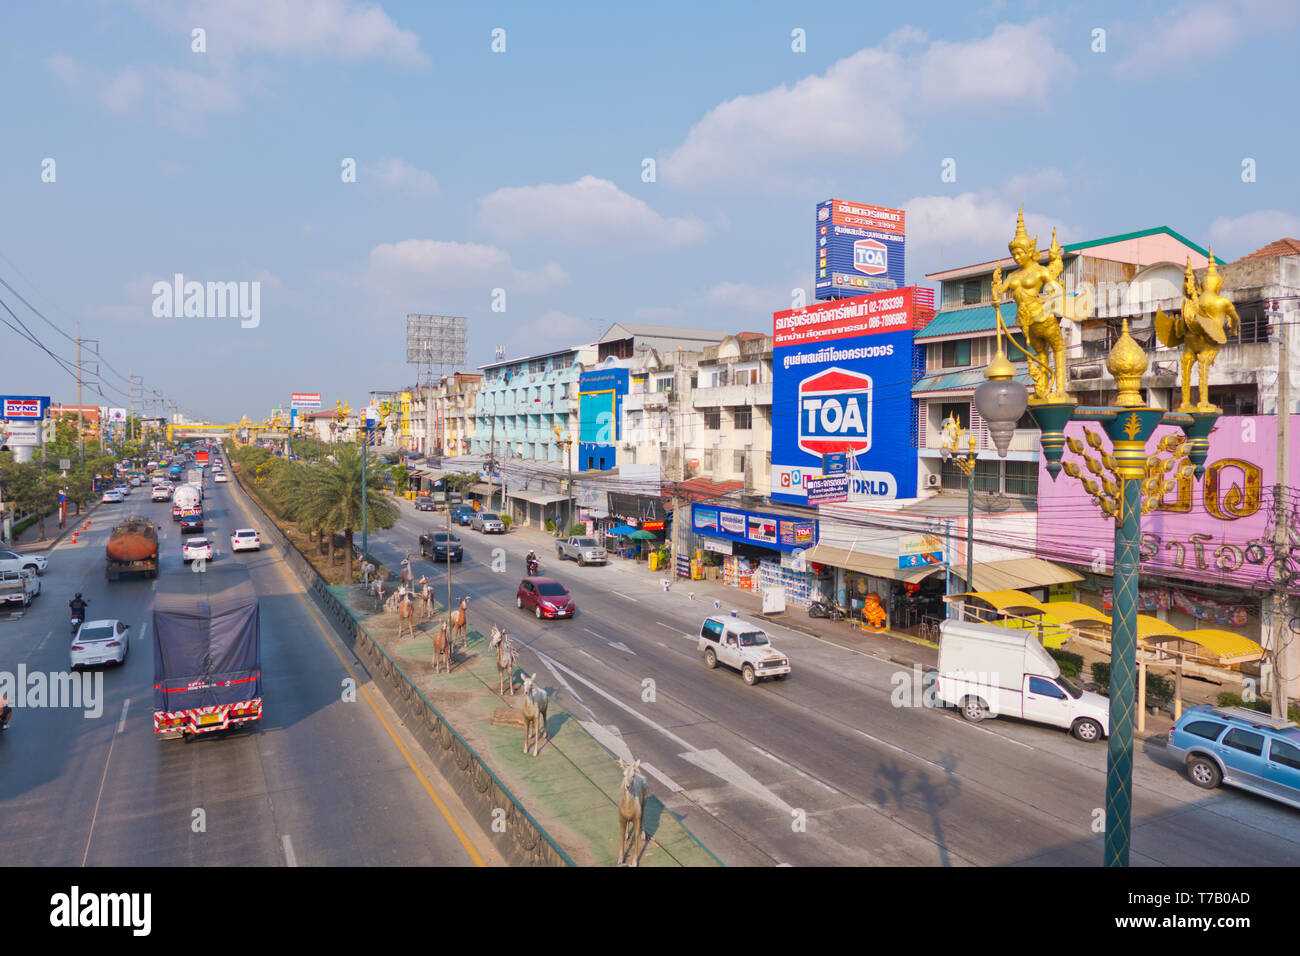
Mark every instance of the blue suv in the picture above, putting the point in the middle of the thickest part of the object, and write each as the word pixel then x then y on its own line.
pixel 1242 747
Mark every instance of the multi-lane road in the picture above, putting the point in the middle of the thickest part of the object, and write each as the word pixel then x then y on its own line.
pixel 826 767
pixel 323 780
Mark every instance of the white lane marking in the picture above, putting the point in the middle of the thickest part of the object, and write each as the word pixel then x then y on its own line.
pixel 985 730
pixel 121 722
pixel 563 683
pixel 609 740
pixel 596 659
pixel 618 646
pixel 663 778
pixel 794 769
pixel 590 631
pixel 47 636
pixel 662 644
pixel 289 858
pixel 676 630
pixel 144 629
pixel 886 743
pixel 622 595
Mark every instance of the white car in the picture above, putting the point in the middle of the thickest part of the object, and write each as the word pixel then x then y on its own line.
pixel 13 561
pixel 220 478
pixel 744 646
pixel 113 496
pixel 245 539
pixel 196 548
pixel 160 493
pixel 100 642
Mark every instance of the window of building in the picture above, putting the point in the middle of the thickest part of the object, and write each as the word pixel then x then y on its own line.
pixel 972 291
pixel 562 362
pixel 738 462
pixel 743 418
pixel 956 354
pixel 695 380
pixel 988 475
pixel 708 459
pixel 664 384
pixel 537 365
pixel 713 419
pixel 1022 478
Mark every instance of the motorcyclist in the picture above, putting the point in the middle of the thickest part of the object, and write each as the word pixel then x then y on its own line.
pixel 531 560
pixel 78 605
pixel 6 711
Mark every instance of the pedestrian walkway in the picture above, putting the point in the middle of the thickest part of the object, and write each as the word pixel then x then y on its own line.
pixel 29 539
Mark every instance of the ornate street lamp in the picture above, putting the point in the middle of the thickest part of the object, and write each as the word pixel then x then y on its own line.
pixel 1127 480
pixel 950 450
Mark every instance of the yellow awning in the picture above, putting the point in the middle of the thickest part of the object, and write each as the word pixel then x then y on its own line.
pixel 1224 644
pixel 1004 600
pixel 1072 612
pixel 1149 627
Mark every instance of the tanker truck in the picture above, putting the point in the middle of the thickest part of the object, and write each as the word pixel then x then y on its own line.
pixel 132 549
pixel 185 500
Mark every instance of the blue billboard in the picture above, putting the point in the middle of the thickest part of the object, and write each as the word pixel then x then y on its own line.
pixel 860 249
pixel 600 416
pixel 842 383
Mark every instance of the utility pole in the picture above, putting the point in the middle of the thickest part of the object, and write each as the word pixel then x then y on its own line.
pixel 81 435
pixel 1281 601
pixel 492 462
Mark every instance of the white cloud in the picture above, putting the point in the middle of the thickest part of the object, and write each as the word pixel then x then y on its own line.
pixel 1037 183
pixel 589 211
pixel 1195 33
pixel 402 176
pixel 424 269
pixel 858 109
pixel 558 327
pixel 180 98
pixel 329 28
pixel 748 298
pixel 1244 234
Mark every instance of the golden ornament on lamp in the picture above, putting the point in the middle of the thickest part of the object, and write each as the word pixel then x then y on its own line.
pixel 1200 328
pixel 1127 362
pixel 1034 287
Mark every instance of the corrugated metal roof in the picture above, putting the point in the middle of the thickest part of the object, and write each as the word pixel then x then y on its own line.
pixel 957 381
pixel 1017 574
pixel 980 318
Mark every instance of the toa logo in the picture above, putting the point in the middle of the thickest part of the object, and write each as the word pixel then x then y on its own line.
pixel 835 412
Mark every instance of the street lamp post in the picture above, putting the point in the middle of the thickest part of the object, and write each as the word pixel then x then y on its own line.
pixel 1127 480
pixel 950 450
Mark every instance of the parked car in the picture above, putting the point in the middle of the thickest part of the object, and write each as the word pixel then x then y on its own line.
pixel 1240 747
pixel 462 514
pixel 13 561
pixel 742 646
pixel 196 548
pixel 424 503
pixel 245 539
pixel 545 598
pixel 435 546
pixel 583 550
pixel 488 523
pixel 989 671
pixel 100 642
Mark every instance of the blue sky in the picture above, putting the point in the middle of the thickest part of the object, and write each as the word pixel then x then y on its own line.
pixel 523 170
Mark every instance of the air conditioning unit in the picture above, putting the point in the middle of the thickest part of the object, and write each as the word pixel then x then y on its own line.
pixel 932 481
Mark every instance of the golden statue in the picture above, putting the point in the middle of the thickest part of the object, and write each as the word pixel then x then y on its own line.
pixel 1200 329
pixel 873 613
pixel 341 410
pixel 1033 286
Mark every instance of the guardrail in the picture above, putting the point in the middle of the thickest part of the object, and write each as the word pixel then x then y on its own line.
pixel 478 786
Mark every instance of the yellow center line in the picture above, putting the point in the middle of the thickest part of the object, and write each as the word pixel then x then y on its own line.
pixel 279 562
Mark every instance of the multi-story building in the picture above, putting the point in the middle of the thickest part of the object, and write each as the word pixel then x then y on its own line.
pixel 730 438
pixel 443 415
pixel 528 406
pixel 658 418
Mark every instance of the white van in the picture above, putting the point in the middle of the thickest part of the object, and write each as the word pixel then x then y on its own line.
pixel 989 671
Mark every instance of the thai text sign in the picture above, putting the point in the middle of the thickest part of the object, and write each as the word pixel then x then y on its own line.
pixel 1216 529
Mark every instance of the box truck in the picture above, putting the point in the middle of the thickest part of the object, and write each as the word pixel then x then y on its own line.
pixel 990 671
pixel 207 652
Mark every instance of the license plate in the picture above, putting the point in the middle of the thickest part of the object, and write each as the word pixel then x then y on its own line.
pixel 205 719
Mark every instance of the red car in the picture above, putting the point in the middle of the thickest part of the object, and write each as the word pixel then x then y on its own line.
pixel 545 598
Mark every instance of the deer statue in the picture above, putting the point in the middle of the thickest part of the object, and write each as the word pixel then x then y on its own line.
pixel 426 600
pixel 441 647
pixel 458 621
pixel 505 660
pixel 377 591
pixel 394 602
pixel 407 575
pixel 631 810
pixel 405 615
pixel 535 701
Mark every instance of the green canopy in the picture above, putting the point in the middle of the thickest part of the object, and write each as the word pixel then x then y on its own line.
pixel 643 535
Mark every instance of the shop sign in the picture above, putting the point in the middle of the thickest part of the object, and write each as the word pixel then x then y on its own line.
pixel 797 533
pixel 731 522
pixel 919 550
pixel 716 545
pixel 762 530
pixel 706 519
pixel 828 490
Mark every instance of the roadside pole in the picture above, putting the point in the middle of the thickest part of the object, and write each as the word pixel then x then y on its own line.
pixel 1280 599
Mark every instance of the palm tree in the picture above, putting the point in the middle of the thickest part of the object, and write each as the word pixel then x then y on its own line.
pixel 335 490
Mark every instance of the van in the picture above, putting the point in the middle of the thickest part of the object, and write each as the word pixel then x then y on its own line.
pixel 990 671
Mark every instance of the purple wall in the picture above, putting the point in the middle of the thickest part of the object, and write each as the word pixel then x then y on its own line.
pixel 1216 530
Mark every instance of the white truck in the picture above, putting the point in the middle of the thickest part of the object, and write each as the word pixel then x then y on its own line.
pixel 743 646
pixel 583 550
pixel 185 500
pixel 990 671
pixel 18 589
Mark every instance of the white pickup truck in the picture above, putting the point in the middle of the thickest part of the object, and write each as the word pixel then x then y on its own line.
pixel 18 588
pixel 743 646
pixel 583 550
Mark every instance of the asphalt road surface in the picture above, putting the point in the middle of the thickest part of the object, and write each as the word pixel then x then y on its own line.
pixel 321 781
pixel 838 764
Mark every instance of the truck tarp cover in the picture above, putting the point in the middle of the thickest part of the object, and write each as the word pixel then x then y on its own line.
pixel 207 639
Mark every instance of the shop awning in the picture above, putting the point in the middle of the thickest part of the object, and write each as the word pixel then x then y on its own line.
pixel 1225 645
pixel 863 562
pixel 481 488
pixel 1016 574
pixel 539 497
pixel 1004 600
pixel 1072 612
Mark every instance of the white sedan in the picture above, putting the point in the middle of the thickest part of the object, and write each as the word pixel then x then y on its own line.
pixel 113 496
pixel 196 548
pixel 220 477
pixel 245 539
pixel 100 642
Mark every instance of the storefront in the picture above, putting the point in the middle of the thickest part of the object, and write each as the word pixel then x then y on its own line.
pixel 760 549
pixel 908 595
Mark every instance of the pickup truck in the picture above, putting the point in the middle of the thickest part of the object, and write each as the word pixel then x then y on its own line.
pixel 18 589
pixel 743 646
pixel 583 550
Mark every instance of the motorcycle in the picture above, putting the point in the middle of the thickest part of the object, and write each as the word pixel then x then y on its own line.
pixel 77 620
pixel 826 610
pixel 533 567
